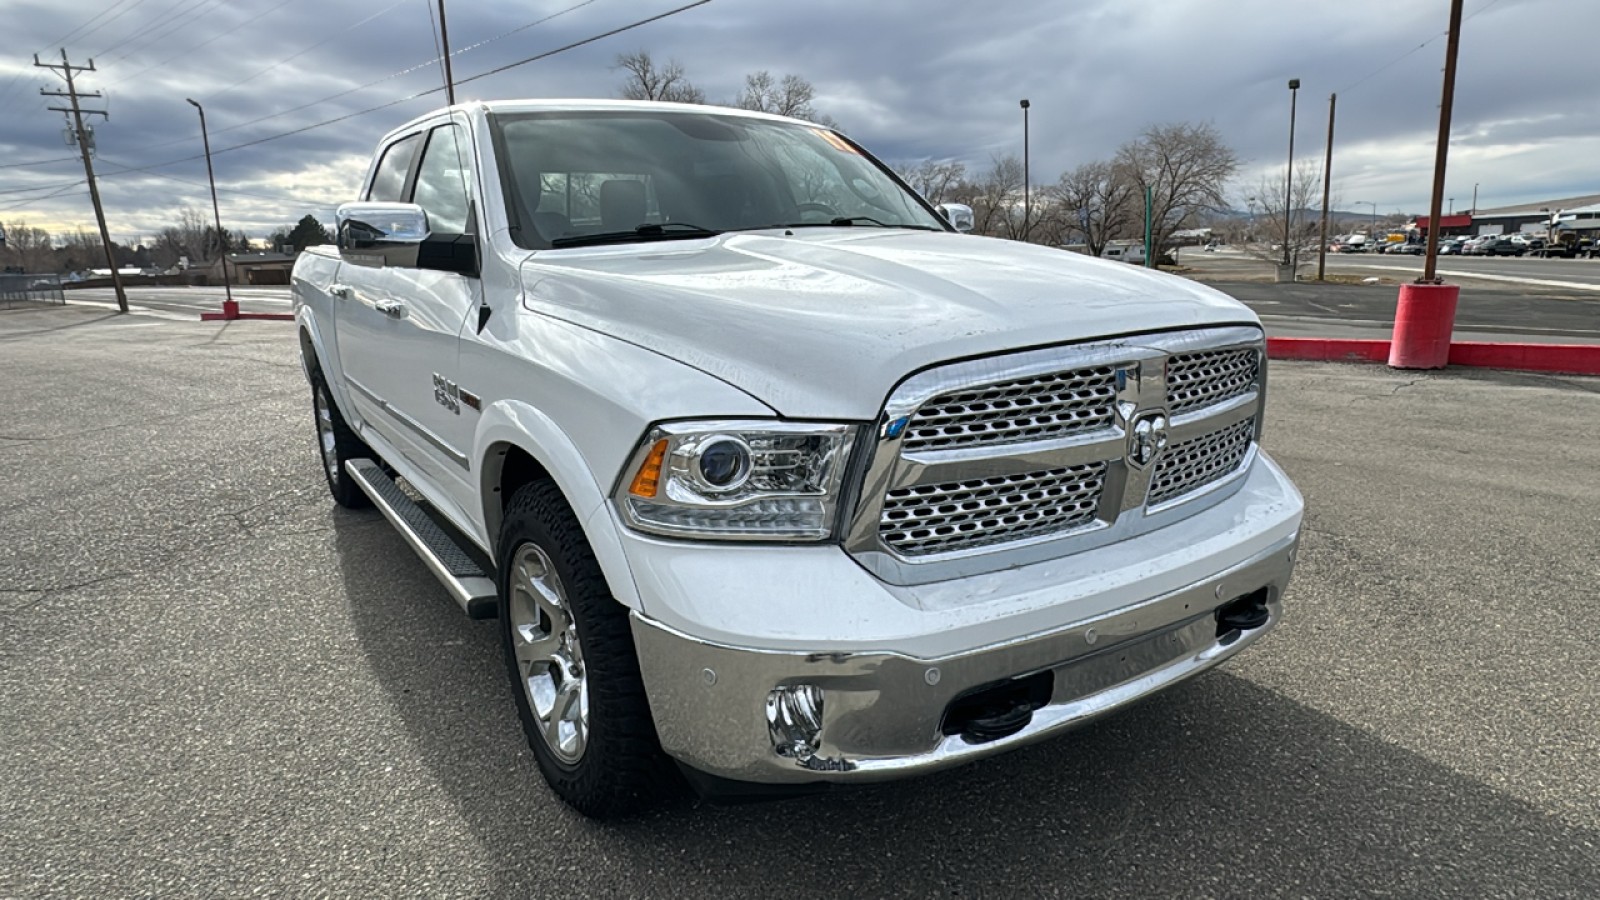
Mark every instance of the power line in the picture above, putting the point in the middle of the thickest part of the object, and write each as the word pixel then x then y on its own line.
pixel 38 162
pixel 287 59
pixel 194 14
pixel 361 87
pixel 615 31
pixel 42 187
pixel 32 200
pixel 85 35
pixel 277 199
pixel 435 90
pixel 203 43
pixel 1386 66
pixel 60 40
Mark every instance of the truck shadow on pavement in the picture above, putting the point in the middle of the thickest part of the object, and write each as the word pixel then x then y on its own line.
pixel 1218 787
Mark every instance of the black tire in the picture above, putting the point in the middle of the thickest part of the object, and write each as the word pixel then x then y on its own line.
pixel 620 768
pixel 336 443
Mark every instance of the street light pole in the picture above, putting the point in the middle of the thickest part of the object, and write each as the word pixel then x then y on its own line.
pixel 1474 198
pixel 1288 178
pixel 1374 206
pixel 230 309
pixel 1027 204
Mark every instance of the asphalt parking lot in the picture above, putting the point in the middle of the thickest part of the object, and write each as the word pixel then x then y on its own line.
pixel 215 683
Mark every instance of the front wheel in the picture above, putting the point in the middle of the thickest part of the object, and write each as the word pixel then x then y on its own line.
pixel 569 653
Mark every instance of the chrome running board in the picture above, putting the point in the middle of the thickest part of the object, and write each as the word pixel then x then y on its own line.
pixel 466 581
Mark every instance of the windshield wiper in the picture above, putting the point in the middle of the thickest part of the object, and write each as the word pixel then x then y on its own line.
pixel 650 231
pixel 847 221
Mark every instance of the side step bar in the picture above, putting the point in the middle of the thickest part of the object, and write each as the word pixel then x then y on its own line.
pixel 471 587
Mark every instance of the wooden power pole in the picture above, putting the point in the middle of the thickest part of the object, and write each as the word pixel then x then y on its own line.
pixel 65 70
pixel 1430 266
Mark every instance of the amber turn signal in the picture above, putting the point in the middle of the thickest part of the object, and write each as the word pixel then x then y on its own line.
pixel 648 480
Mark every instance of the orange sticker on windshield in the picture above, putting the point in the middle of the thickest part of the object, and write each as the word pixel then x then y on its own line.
pixel 834 141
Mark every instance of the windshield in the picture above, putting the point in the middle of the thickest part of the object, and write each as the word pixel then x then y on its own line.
pixel 593 177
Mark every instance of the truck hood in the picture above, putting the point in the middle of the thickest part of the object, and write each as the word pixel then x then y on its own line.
pixel 825 322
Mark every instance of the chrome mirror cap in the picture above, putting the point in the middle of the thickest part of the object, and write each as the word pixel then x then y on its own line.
pixel 375 226
pixel 959 215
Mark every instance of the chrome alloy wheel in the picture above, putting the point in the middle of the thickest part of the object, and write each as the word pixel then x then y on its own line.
pixel 326 440
pixel 549 658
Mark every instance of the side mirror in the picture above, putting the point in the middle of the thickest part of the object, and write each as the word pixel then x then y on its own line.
pixel 397 234
pixel 959 215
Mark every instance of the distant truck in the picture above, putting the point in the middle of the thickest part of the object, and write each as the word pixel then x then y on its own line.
pixel 764 468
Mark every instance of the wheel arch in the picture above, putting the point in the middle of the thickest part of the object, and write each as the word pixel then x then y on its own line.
pixel 520 445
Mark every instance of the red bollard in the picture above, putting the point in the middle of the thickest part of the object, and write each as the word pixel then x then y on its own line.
pixel 1422 324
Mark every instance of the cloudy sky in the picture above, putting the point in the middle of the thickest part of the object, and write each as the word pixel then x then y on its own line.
pixel 911 79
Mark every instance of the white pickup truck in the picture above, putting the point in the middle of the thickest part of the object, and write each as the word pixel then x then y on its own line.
pixel 763 467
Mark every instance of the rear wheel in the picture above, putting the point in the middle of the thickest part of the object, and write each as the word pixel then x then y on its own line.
pixel 569 653
pixel 336 443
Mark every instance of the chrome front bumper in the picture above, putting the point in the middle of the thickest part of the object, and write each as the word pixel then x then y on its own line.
pixel 883 713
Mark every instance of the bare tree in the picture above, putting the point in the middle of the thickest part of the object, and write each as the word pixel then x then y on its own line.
pixel 27 248
pixel 645 81
pixel 1186 167
pixel 791 96
pixel 935 180
pixel 1096 201
pixel 996 199
pixel 1272 207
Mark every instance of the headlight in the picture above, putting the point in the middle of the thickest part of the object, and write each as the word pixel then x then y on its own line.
pixel 737 480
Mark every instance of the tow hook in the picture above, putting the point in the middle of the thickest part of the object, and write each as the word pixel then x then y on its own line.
pixel 1243 613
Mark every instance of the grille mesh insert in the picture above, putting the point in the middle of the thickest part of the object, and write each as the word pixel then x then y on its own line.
pixel 960 515
pixel 1039 407
pixel 1200 461
pixel 1212 376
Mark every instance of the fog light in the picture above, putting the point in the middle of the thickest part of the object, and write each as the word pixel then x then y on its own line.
pixel 794 720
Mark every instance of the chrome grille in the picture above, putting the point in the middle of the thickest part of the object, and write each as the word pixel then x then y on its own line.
pixel 960 515
pixel 1202 379
pixel 1039 407
pixel 1199 461
pixel 985 464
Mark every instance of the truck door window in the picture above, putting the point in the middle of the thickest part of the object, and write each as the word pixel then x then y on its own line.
pixel 389 182
pixel 444 182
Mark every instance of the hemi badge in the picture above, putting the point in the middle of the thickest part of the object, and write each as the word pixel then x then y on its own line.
pixel 471 399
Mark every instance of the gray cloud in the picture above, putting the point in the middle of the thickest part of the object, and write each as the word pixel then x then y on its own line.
pixel 936 78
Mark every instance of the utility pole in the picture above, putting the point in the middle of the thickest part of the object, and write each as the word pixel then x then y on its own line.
pixel 65 70
pixel 444 39
pixel 1452 46
pixel 1327 184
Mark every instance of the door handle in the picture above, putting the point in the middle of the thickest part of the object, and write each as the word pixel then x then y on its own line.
pixel 394 309
pixel 339 290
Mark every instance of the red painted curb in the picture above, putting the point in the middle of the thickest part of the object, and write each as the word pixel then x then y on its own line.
pixel 1328 349
pixel 1568 359
pixel 268 317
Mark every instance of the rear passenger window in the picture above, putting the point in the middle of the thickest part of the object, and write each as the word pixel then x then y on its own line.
pixel 390 180
pixel 444 182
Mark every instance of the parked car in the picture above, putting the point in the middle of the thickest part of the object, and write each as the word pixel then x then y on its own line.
pixel 1504 247
pixel 766 469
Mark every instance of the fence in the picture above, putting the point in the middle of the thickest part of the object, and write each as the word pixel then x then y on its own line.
pixel 16 290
